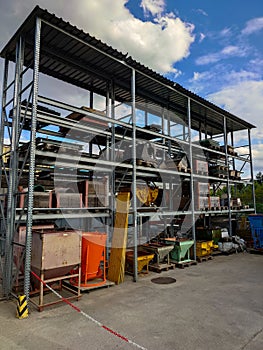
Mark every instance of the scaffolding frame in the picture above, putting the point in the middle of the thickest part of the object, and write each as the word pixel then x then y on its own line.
pixel 136 93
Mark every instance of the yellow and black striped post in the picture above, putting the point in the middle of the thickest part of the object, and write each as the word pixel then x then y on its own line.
pixel 21 310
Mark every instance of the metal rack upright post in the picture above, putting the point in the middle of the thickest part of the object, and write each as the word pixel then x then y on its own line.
pixel 48 45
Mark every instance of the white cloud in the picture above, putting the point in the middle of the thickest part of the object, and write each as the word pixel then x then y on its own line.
pixel 231 50
pixel 225 32
pixel 201 38
pixel 202 12
pixel 199 77
pixel 154 7
pixel 242 75
pixel 158 43
pixel 257 152
pixel 244 100
pixel 226 52
pixel 252 26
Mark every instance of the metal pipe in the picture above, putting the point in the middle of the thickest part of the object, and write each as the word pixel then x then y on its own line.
pixel 191 175
pixel 109 176
pixel 134 203
pixel 3 118
pixel 12 186
pixel 227 182
pixel 2 167
pixel 112 153
pixel 251 170
pixel 32 156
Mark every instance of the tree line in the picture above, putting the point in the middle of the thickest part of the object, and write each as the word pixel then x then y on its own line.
pixel 244 192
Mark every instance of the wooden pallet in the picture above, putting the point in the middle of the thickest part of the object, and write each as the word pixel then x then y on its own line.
pixel 199 172
pixel 182 169
pixel 221 176
pixel 214 208
pixel 216 148
pixel 224 207
pixel 161 267
pixel 182 264
pixel 204 258
pixel 217 252
pixel 203 209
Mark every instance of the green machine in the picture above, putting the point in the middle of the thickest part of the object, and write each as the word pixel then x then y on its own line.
pixel 181 250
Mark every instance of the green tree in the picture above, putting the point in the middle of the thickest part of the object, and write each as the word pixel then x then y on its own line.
pixel 259 177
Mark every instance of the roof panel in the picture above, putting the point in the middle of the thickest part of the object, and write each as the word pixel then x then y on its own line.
pixel 69 54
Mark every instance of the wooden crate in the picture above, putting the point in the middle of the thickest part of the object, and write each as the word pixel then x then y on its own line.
pixel 200 166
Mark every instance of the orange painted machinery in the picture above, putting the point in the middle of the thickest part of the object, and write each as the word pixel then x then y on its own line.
pixel 93 259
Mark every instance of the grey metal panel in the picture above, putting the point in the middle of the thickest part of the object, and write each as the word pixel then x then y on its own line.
pixel 105 62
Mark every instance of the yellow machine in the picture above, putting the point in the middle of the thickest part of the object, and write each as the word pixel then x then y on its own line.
pixel 147 195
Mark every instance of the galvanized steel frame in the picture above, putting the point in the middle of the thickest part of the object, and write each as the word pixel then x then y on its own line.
pixel 11 218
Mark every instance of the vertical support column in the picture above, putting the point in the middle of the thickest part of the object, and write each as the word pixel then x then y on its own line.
pixel 191 176
pixel 228 183
pixel 112 153
pixel 3 113
pixel 251 170
pixel 134 204
pixel 200 131
pixel 108 219
pixel 205 128
pixel 31 176
pixel 2 137
pixel 13 164
pixel 184 133
pixel 232 144
pixel 91 99
pixel 146 114
pixel 3 118
pixel 233 159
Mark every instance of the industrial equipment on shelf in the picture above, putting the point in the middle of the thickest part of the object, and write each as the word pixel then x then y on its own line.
pixel 150 130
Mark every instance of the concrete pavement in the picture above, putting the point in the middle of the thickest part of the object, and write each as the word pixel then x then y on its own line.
pixel 217 304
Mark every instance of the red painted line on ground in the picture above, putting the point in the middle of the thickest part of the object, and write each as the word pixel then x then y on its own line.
pixel 87 316
pixel 115 333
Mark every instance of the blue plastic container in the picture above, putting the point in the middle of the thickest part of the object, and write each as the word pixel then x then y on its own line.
pixel 256 225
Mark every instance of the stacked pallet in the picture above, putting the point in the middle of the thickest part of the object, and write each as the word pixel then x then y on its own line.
pixel 201 192
pixel 235 174
pixel 94 193
pixel 230 150
pixel 214 202
pixel 218 170
pixel 210 143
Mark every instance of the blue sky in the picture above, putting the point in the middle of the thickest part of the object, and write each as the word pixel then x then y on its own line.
pixel 213 48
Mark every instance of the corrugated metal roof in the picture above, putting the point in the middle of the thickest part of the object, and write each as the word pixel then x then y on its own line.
pixel 69 54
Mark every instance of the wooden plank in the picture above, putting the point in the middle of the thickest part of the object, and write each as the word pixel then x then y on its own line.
pixel 116 269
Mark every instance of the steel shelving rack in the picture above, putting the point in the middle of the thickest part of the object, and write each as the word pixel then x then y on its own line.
pixel 46 45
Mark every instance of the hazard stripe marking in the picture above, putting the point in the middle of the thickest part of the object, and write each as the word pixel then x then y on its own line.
pixel 22 301
pixel 20 313
pixel 87 316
